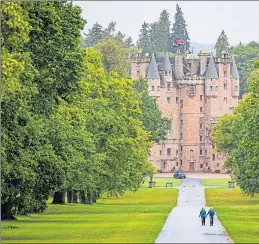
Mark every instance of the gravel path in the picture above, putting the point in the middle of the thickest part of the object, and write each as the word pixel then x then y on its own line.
pixel 183 224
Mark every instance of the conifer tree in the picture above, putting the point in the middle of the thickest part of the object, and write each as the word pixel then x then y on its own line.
pixel 95 34
pixel 144 41
pixel 163 32
pixel 221 44
pixel 179 32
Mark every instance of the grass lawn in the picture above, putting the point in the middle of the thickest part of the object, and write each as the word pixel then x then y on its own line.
pixel 135 217
pixel 238 214
pixel 160 182
pixel 216 182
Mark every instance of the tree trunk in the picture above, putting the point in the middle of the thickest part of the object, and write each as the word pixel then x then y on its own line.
pixel 82 198
pixel 6 212
pixel 75 196
pixel 89 199
pixel 69 196
pixel 59 197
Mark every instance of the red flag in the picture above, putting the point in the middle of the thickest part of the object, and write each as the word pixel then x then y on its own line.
pixel 177 43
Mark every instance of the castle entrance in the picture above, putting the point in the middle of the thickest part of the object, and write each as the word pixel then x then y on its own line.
pixel 191 166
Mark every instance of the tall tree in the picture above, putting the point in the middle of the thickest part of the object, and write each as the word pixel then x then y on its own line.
pixel 144 41
pixel 221 44
pixel 95 34
pixel 110 30
pixel 244 57
pixel 151 116
pixel 164 32
pixel 179 32
pixel 238 135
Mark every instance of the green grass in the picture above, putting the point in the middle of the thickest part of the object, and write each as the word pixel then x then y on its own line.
pixel 160 182
pixel 216 182
pixel 135 217
pixel 238 214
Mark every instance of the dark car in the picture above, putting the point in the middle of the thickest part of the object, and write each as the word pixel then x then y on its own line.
pixel 179 175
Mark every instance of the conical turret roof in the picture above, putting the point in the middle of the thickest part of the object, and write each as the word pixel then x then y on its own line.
pixel 211 71
pixel 167 65
pixel 234 71
pixel 153 70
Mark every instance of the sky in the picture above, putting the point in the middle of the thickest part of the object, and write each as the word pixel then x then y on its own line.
pixel 205 19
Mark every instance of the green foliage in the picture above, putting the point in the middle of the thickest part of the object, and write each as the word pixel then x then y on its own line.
pixel 221 44
pixel 245 56
pixel 151 116
pixel 95 34
pixel 110 220
pixel 238 135
pixel 179 32
pixel 237 213
pixel 144 41
pixel 114 55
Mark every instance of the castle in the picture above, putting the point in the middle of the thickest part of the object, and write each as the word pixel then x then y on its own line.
pixel 193 92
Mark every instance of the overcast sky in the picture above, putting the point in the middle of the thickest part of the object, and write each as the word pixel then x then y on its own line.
pixel 205 20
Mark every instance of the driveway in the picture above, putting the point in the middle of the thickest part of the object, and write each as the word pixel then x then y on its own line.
pixel 183 224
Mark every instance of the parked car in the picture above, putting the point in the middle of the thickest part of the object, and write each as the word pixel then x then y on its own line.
pixel 179 175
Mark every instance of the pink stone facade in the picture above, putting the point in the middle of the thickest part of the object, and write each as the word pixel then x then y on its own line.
pixel 193 98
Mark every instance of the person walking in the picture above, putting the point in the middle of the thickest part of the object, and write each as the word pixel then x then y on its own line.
pixel 211 213
pixel 202 215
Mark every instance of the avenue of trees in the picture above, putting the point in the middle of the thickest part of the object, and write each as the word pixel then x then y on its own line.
pixel 237 135
pixel 72 120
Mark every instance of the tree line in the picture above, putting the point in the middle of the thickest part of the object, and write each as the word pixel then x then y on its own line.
pixel 73 122
pixel 237 135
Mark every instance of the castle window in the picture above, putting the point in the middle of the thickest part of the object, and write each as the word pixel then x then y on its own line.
pixel 176 152
pixel 201 166
pixel 200 125
pixel 225 100
pixel 200 152
pixel 181 148
pixel 201 138
pixel 165 73
pixel 213 157
pixel 211 88
pixel 206 152
pixel 168 87
pixel 181 162
pixel 158 88
pixel 216 88
pixel 168 99
pixel 217 164
pixel 152 88
pixel 176 163
pixel 160 152
pixel 177 100
pixel 200 109
pixel 200 97
pixel 225 73
pixel 181 102
pixel 206 163
pixel 225 86
pixel 164 165
pixel 168 151
pixel 181 122
pixel 181 136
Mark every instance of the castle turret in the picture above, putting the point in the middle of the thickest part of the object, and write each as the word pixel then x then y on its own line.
pixel 234 71
pixel 211 72
pixel 179 66
pixel 167 70
pixel 153 77
pixel 234 79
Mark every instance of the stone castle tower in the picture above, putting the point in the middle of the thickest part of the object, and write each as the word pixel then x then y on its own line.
pixel 193 91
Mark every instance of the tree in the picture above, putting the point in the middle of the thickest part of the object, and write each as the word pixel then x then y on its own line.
pixel 114 55
pixel 163 32
pixel 221 44
pixel 179 32
pixel 244 56
pixel 238 135
pixel 128 42
pixel 151 116
pixel 95 34
pixel 110 30
pixel 144 41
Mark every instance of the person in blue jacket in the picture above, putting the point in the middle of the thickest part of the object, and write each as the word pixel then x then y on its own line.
pixel 202 215
pixel 211 213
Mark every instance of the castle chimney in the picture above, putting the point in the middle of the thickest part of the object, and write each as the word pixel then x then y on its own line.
pixel 179 66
